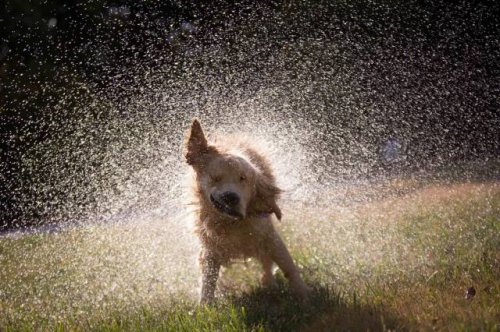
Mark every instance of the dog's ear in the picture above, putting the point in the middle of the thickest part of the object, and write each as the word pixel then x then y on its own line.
pixel 196 144
pixel 266 195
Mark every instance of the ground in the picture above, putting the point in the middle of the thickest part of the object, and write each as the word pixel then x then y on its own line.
pixel 398 254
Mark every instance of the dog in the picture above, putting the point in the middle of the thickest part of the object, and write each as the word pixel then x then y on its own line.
pixel 236 195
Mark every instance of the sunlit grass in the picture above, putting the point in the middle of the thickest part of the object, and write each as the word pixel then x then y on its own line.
pixel 399 261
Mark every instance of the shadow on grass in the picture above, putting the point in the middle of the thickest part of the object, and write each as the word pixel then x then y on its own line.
pixel 277 310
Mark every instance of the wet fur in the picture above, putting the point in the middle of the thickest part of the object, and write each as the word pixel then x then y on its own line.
pixel 223 237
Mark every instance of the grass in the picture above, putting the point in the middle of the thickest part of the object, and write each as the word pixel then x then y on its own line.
pixel 392 262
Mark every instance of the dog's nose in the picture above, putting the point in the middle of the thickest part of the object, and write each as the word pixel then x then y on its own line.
pixel 229 198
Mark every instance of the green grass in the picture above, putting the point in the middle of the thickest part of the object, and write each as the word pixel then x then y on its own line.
pixel 399 262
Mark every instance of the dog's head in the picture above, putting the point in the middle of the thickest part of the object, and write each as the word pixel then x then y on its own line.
pixel 229 183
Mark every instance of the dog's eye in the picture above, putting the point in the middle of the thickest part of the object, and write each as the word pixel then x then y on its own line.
pixel 243 178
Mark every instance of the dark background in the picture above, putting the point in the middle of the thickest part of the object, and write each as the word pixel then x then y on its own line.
pixel 425 72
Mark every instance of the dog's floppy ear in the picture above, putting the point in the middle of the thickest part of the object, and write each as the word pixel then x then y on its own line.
pixel 196 144
pixel 266 195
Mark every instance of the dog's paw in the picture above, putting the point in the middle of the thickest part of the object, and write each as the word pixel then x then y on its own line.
pixel 205 301
pixel 207 298
pixel 302 292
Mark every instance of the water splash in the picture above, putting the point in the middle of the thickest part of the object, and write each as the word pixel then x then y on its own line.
pixel 321 87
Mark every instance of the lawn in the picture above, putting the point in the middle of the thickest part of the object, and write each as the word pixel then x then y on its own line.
pixel 401 258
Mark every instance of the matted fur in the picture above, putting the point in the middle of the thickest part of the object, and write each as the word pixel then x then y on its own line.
pixel 236 194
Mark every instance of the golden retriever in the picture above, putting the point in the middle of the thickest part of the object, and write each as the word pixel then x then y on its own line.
pixel 235 193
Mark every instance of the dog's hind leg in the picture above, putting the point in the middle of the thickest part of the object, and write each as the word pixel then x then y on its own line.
pixel 268 279
pixel 210 267
pixel 279 253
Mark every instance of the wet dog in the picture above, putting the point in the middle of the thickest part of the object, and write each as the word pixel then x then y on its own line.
pixel 236 195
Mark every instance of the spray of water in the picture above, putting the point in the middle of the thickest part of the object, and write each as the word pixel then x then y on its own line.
pixel 103 165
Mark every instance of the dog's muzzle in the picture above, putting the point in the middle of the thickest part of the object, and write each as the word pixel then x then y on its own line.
pixel 227 203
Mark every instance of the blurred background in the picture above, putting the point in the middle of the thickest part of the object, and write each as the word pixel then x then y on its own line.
pixel 95 95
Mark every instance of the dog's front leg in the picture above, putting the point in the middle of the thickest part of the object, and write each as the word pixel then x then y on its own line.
pixel 210 267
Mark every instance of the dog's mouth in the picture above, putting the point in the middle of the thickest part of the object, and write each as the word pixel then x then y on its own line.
pixel 227 210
